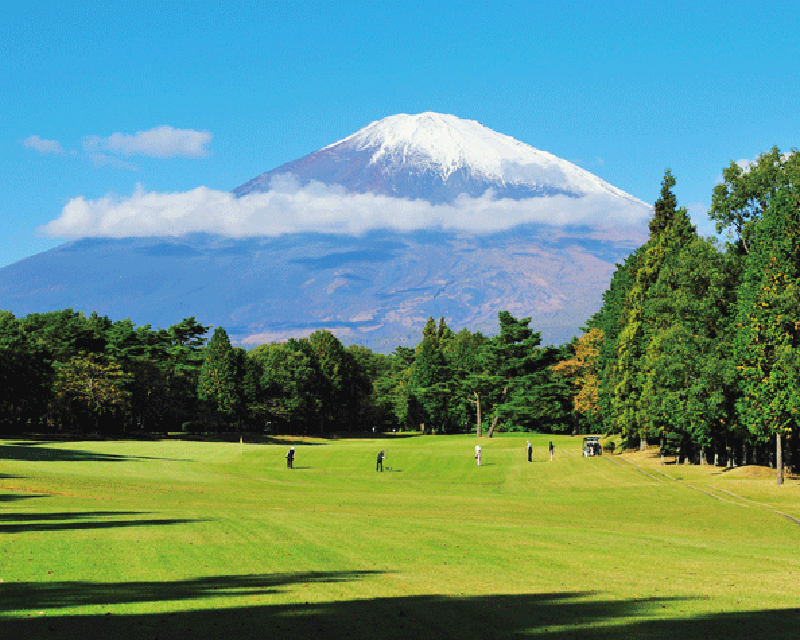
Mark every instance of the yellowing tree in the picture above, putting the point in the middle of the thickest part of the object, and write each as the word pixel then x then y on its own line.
pixel 581 369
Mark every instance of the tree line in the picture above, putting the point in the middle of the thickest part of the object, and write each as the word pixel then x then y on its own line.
pixel 696 347
pixel 697 344
pixel 66 372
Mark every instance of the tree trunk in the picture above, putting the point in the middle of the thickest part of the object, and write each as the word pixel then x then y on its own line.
pixel 496 417
pixel 661 447
pixel 477 402
pixel 728 452
pixel 779 458
pixel 494 424
pixel 642 442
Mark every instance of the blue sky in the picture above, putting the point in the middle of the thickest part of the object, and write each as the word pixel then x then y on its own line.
pixel 107 98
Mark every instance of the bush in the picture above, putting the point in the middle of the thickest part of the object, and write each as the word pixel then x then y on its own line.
pixel 193 427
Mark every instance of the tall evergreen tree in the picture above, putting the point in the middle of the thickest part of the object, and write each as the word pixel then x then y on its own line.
pixel 768 324
pixel 431 378
pixel 668 228
pixel 688 381
pixel 218 376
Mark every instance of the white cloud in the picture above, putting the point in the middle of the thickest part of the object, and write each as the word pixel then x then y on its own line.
pixel 43 146
pixel 160 142
pixel 105 160
pixel 289 208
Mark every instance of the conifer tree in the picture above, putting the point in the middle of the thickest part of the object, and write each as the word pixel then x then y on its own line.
pixel 217 382
pixel 768 325
pixel 431 378
pixel 669 228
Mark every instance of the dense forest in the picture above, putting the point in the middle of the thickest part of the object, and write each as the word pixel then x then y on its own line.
pixel 63 371
pixel 696 347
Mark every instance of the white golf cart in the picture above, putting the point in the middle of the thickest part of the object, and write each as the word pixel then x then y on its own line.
pixel 592 447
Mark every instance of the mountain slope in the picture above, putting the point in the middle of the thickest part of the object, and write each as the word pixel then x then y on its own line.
pixel 377 287
pixel 438 157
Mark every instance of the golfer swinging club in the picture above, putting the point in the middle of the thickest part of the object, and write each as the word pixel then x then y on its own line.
pixel 381 456
pixel 478 454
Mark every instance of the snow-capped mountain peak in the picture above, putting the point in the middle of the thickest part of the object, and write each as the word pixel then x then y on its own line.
pixel 438 157
pixel 440 142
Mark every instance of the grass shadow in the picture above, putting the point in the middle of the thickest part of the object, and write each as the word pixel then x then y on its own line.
pixel 71 521
pixel 13 497
pixel 562 616
pixel 74 594
pixel 36 451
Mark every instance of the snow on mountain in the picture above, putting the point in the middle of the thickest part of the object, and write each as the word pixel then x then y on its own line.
pixel 423 216
pixel 438 157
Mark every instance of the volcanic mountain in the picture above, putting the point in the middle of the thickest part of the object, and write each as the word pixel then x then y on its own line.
pixel 453 220
pixel 437 158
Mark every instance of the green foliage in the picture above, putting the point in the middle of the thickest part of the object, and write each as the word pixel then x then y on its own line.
pixel 670 228
pixel 289 384
pixel 219 375
pixel 768 322
pixel 744 195
pixel 430 382
pixel 90 387
pixel 689 381
pixel 25 372
pixel 345 384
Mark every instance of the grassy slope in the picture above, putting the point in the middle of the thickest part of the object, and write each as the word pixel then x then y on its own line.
pixel 186 539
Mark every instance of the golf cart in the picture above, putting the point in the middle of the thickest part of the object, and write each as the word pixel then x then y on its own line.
pixel 591 446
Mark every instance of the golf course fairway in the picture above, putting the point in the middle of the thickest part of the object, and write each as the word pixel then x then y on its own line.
pixel 176 539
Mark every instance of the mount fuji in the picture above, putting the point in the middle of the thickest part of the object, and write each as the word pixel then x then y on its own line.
pixel 438 158
pixel 410 217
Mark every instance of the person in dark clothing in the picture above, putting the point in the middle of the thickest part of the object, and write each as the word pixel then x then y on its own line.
pixel 290 458
pixel 530 451
pixel 381 456
pixel 551 451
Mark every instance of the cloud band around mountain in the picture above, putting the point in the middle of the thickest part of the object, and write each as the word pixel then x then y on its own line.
pixel 291 208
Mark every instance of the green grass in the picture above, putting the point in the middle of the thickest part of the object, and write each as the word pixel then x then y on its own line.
pixel 200 540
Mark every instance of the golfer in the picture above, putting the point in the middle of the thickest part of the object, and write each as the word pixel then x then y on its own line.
pixel 381 456
pixel 551 451
pixel 478 454
pixel 530 451
pixel 290 458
